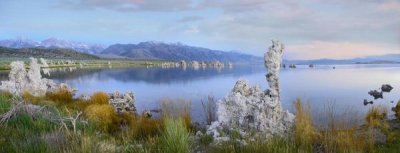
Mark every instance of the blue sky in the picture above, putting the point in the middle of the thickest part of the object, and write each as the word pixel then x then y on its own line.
pixel 309 28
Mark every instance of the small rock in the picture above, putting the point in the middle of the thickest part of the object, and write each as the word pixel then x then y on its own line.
pixel 386 88
pixel 376 94
pixel 147 114
pixel 366 102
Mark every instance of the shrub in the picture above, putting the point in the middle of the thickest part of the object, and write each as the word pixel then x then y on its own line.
pixel 209 109
pixel 28 97
pixel 396 110
pixel 103 116
pixel 61 95
pixel 99 98
pixel 176 138
pixel 142 127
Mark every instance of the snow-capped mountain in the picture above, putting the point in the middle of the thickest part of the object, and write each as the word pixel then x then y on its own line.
pixel 53 43
pixel 18 43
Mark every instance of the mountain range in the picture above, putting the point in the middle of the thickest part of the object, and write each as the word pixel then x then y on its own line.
pixel 53 43
pixel 376 59
pixel 176 51
pixel 49 53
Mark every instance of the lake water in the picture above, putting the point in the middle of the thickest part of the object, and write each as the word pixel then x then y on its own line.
pixel 345 86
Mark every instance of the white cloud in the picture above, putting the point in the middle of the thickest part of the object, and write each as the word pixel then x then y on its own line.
pixel 192 30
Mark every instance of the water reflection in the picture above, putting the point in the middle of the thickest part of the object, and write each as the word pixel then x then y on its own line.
pixel 152 75
pixel 346 86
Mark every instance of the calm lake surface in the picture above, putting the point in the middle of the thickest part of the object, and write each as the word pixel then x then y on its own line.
pixel 345 87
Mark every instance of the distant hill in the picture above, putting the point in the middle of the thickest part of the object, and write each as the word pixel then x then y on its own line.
pixel 377 59
pixel 177 51
pixel 53 43
pixel 50 53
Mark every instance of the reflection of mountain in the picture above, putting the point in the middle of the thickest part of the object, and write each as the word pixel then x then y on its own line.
pixel 153 75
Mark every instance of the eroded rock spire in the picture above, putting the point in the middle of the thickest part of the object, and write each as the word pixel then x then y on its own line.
pixel 251 111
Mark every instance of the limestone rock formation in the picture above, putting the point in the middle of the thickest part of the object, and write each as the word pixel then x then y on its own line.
pixel 22 80
pixel 123 102
pixel 249 110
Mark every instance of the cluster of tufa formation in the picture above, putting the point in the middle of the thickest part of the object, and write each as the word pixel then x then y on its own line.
pixel 123 102
pixel 249 110
pixel 22 80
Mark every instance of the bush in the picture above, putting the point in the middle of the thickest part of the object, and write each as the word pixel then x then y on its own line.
pixel 396 110
pixel 99 98
pixel 143 128
pixel 210 109
pixel 61 96
pixel 103 116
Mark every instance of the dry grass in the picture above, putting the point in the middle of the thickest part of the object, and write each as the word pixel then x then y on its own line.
pixel 305 132
pixel 142 127
pixel 396 110
pixel 210 109
pixel 61 95
pixel 99 98
pixel 176 109
pixel 104 116
pixel 376 116
pixel 341 134
pixel 28 97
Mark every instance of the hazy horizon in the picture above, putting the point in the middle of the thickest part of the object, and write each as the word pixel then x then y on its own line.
pixel 310 29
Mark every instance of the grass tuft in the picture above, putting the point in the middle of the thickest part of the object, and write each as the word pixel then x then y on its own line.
pixel 99 98
pixel 61 96
pixel 210 109
pixel 176 137
pixel 103 116
pixel 304 132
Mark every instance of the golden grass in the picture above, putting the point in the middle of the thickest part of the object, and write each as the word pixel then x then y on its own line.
pixel 60 96
pixel 304 130
pixel 376 115
pixel 396 110
pixel 142 127
pixel 99 98
pixel 103 116
pixel 28 97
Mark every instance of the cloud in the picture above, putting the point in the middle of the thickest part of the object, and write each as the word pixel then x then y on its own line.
pixel 192 30
pixel 245 25
pixel 190 19
pixel 130 5
pixel 390 6
pixel 337 50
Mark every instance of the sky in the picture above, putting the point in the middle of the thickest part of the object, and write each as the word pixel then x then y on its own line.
pixel 310 29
